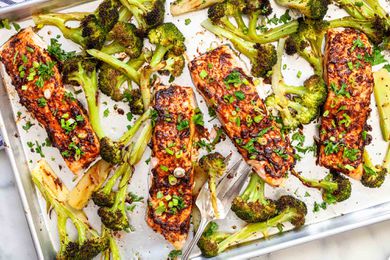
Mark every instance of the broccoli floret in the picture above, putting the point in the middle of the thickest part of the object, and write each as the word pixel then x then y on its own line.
pixel 166 37
pixel 214 165
pixel 113 213
pixel 220 13
pixel 334 187
pixel 262 56
pixel 110 81
pixel 296 104
pixel 314 9
pixel 124 39
pixel 112 151
pixel 81 71
pixel 208 242
pixel 93 28
pixel 290 210
pixel 373 176
pixel 148 13
pixel 368 10
pixel 252 206
pixel 88 243
pixel 134 97
pixel 178 63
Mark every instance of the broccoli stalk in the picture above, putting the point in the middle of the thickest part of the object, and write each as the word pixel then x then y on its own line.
pixel 82 71
pixel 113 213
pixel 296 105
pixel 290 210
pixel 93 28
pixel 373 176
pixel 382 94
pixel 112 151
pixel 148 13
pixel 262 57
pixel 112 252
pixel 314 9
pixel 386 160
pixel 334 187
pixel 214 165
pixel 88 244
pixel 252 205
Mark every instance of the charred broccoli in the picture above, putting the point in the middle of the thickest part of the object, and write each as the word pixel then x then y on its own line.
pixel 214 165
pixel 93 28
pixel 296 104
pixel 219 19
pixel 314 9
pixel 112 210
pixel 148 13
pixel 111 151
pixel 373 176
pixel 124 39
pixel 82 71
pixel 290 210
pixel 334 187
pixel 262 57
pixel 88 243
pixel 167 38
pixel 134 97
pixel 252 206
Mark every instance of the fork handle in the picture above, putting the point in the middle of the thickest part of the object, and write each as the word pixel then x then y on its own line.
pixel 202 226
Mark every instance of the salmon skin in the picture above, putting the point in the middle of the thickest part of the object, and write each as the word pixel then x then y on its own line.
pixel 170 194
pixel 350 84
pixel 219 77
pixel 35 76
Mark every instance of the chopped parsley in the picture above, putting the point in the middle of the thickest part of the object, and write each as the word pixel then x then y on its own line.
pixel 350 154
pixel 106 112
pixel 233 78
pixel 182 124
pixel 174 254
pixel 317 206
pixel 27 126
pixel 331 147
pixel 187 21
pixel 376 58
pixel 42 102
pixel 358 42
pixel 55 50
pixel 239 95
pixel 340 91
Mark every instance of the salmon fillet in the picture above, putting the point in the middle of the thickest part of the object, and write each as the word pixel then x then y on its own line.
pixel 38 83
pixel 170 194
pixel 350 84
pixel 219 77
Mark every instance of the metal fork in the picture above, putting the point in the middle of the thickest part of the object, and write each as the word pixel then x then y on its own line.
pixel 228 188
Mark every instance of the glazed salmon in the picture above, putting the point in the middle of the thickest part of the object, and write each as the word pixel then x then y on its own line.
pixel 36 79
pixel 350 84
pixel 170 194
pixel 219 77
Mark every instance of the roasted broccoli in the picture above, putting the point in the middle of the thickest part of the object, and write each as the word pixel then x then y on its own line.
pixel 111 151
pixel 214 165
pixel 112 252
pixel 88 243
pixel 111 80
pixel 334 187
pixel 314 9
pixel 124 39
pixel 252 205
pixel 148 13
pixel 290 210
pixel 113 212
pixel 367 10
pixel 373 176
pixel 82 71
pixel 262 56
pixel 93 28
pixel 296 104
pixel 219 16
pixel 167 38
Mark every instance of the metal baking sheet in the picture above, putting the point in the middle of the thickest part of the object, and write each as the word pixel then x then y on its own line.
pixel 366 206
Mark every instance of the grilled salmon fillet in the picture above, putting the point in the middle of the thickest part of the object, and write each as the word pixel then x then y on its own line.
pixel 170 194
pixel 219 77
pixel 38 83
pixel 350 84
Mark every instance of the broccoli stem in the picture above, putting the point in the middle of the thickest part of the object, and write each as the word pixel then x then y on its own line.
pixel 382 94
pixel 360 12
pixel 62 233
pixel 386 161
pixel 60 20
pixel 213 192
pixel 126 137
pixel 366 26
pixel 255 190
pixel 141 144
pixel 322 184
pixel 90 87
pixel 113 48
pixel 252 27
pixel 117 64
pixel 158 55
pixel 112 252
pixel 124 15
pixel 253 229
